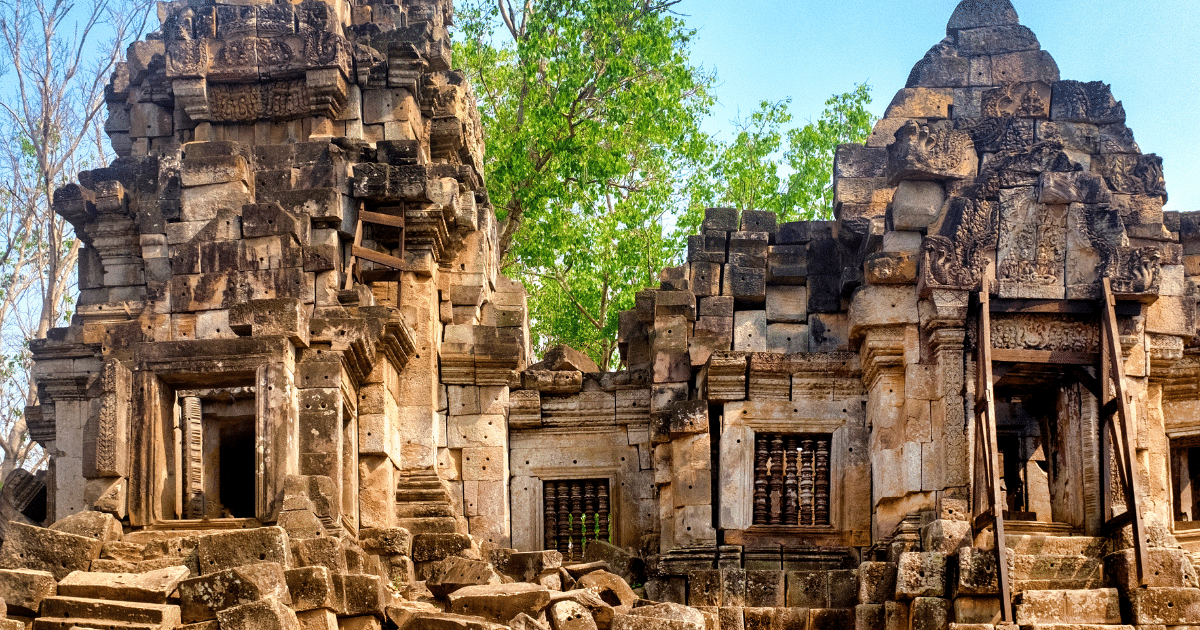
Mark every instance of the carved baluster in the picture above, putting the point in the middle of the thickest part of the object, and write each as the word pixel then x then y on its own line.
pixel 551 508
pixel 576 520
pixel 821 515
pixel 760 480
pixel 193 458
pixel 602 511
pixel 806 482
pixel 589 510
pixel 564 519
pixel 791 494
pixel 776 478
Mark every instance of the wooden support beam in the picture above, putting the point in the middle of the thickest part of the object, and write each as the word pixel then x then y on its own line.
pixel 991 454
pixel 1045 357
pixel 1123 429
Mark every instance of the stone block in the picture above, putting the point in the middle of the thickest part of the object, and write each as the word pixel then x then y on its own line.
pixel 969 609
pixel 766 588
pixel 808 589
pixel 437 546
pixel 151 587
pixel 266 614
pixel 724 219
pixel 1168 606
pixel 929 613
pixel 24 589
pixel 921 103
pixel 454 573
pixel 1024 67
pixel 721 306
pixel 746 284
pixel 977 572
pixel 1168 567
pixel 787 304
pixel 228 550
pixel 98 525
pixel 828 332
pixel 500 602
pixel 750 331
pixel 60 553
pixel 858 161
pixel 1092 102
pixel 385 540
pixel 991 40
pixel 945 536
pixel 876 582
pixel 316 619
pixel 917 204
pixel 868 617
pixel 201 598
pixel 1096 606
pixel 787 338
pixel 310 588
pixel 819 618
pixel 890 268
pixel 570 615
pixel 360 594
pixel 921 574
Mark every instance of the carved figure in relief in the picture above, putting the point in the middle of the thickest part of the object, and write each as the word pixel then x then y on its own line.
pixel 1032 332
pixel 1139 271
pixel 959 260
pixel 1037 256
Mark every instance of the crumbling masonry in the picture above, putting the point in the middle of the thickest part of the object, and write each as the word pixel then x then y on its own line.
pixel 296 391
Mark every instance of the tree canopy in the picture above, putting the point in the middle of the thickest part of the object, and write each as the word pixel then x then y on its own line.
pixel 596 162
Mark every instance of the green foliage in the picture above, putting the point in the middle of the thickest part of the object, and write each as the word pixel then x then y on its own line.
pixel 592 112
pixel 789 171
pixel 595 161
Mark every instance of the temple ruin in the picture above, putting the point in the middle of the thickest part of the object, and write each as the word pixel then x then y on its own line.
pixel 297 392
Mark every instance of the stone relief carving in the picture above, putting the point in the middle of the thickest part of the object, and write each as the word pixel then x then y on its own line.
pixel 1138 271
pixel 249 102
pixel 1023 100
pixel 958 260
pixel 1034 332
pixel 924 151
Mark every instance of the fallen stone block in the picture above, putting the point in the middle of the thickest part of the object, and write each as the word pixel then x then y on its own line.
pixel 359 623
pixel 609 587
pixel 24 589
pixel 386 541
pixel 266 614
pixel 40 549
pixel 317 619
pixel 99 525
pixel 201 598
pixel 81 609
pixel 500 602
pixel 228 550
pixel 453 573
pixel 360 595
pixel 525 566
pixel 525 622
pixel 153 587
pixel 569 615
pixel 310 588
pixel 428 547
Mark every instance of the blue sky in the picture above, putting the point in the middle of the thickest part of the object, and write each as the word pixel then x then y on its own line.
pixel 810 49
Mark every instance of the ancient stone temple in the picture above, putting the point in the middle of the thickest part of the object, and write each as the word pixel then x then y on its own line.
pixel 296 391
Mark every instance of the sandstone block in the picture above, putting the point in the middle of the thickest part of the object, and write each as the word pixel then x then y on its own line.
pixel 787 304
pixel 819 618
pixel 977 572
pixel 890 268
pixel 876 582
pixel 945 536
pixel 310 588
pixel 266 614
pixel 868 617
pixel 1098 606
pixel 929 613
pixel 968 609
pixel 366 622
pixel 569 615
pixel 921 103
pixel 921 574
pixel 917 204
pixel 203 597
pixel 386 541
pixel 228 550
pixel 685 615
pixel 500 602
pixel 454 573
pixel 60 553
pixel 98 525
pixel 609 587
pixel 1168 606
pixel 24 589
pixel 750 331
pixel 317 619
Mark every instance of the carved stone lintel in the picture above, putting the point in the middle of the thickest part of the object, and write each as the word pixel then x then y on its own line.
pixel 955 257
pixel 924 151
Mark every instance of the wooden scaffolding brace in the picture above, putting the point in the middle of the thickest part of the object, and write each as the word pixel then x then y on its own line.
pixel 390 217
pixel 1115 413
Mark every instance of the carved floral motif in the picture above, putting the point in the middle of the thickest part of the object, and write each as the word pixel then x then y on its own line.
pixel 1034 332
pixel 958 260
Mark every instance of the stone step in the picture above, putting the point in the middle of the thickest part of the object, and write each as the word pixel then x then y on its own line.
pixel 58 623
pixel 1039 544
pixel 423 510
pixel 85 608
pixel 1049 607
pixel 433 525
pixel 1076 626
pixel 1055 572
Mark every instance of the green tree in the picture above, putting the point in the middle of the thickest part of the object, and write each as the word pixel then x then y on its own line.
pixel 790 171
pixel 592 112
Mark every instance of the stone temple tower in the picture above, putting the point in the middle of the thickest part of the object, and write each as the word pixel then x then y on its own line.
pixel 971 400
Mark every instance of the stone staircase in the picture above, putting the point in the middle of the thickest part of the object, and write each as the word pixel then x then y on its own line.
pixel 425 505
pixel 1075 583
pixel 113 601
